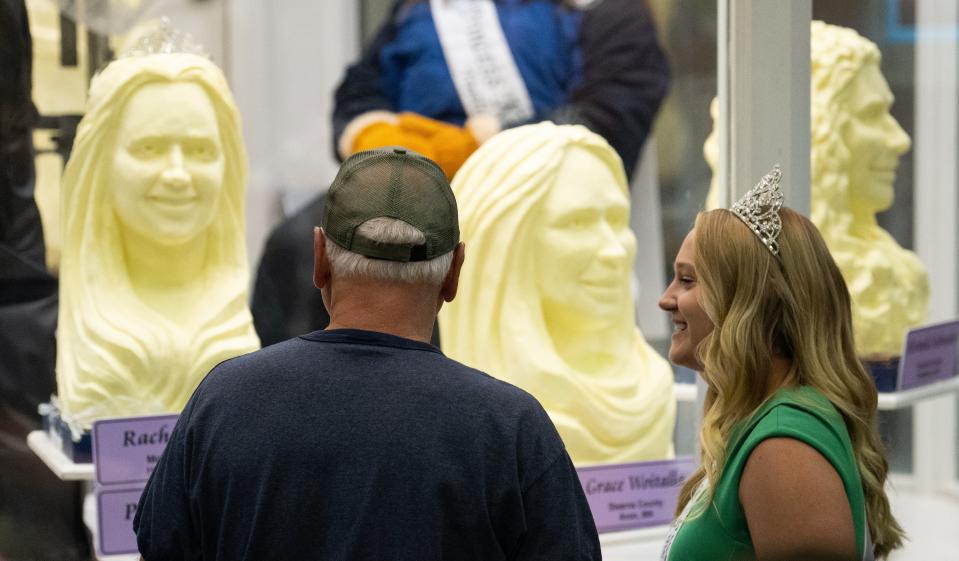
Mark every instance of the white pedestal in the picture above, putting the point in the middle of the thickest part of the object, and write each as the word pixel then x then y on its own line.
pixel 56 460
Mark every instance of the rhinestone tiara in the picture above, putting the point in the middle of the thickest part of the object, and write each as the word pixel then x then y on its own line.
pixel 759 209
pixel 164 39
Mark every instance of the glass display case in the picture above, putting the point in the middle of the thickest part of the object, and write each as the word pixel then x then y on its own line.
pixel 284 61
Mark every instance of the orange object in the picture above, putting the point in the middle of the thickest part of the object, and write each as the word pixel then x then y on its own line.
pixel 382 133
pixel 450 145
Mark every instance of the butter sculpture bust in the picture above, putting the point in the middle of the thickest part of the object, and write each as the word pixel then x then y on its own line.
pixel 856 146
pixel 154 273
pixel 545 300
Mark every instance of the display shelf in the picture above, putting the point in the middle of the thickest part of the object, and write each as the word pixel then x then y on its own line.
pixel 64 468
pixel 898 400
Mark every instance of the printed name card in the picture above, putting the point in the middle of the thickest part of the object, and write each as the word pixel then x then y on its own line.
pixel 929 355
pixel 115 510
pixel 635 495
pixel 125 450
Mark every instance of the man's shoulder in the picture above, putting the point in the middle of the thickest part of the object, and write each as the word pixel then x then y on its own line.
pixel 424 364
pixel 255 363
pixel 488 385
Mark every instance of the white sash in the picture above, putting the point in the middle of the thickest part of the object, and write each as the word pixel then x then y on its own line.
pixel 681 519
pixel 867 553
pixel 480 62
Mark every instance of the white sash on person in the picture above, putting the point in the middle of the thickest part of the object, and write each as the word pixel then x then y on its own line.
pixel 868 552
pixel 480 62
pixel 678 522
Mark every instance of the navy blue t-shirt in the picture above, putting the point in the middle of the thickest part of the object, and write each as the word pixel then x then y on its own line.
pixel 350 445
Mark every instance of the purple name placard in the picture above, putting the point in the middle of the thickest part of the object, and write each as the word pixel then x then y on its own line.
pixel 115 511
pixel 929 355
pixel 635 495
pixel 125 450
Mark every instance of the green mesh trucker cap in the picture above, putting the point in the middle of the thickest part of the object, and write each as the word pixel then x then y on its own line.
pixel 392 182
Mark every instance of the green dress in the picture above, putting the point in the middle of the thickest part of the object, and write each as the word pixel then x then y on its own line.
pixel 720 533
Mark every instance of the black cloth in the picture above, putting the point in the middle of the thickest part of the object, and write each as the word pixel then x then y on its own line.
pixel 20 227
pixel 285 302
pixel 39 514
pixel 356 445
pixel 625 77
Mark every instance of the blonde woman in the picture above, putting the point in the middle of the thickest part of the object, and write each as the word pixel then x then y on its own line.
pixel 791 464
pixel 545 302
pixel 153 280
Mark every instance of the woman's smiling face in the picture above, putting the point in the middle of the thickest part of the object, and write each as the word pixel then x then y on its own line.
pixel 691 324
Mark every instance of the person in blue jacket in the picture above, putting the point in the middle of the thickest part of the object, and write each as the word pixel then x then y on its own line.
pixel 593 63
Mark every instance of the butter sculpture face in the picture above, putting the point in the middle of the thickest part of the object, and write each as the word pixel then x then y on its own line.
pixel 856 146
pixel 544 300
pixel 167 171
pixel 586 241
pixel 154 274
pixel 875 142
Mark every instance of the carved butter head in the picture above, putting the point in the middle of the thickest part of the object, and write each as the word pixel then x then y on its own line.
pixel 167 170
pixel 585 248
pixel 874 139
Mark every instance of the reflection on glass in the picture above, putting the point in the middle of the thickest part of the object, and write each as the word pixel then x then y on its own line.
pixel 545 299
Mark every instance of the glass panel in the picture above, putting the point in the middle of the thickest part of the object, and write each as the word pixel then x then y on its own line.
pixel 895 429
pixel 688 35
pixel 687 32
pixel 873 20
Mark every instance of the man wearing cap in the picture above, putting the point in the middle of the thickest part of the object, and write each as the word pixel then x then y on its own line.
pixel 363 441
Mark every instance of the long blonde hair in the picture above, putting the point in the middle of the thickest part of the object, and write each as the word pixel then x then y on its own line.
pixel 796 306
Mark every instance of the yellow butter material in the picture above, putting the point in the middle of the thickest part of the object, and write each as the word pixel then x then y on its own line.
pixel 545 300
pixel 154 273
pixel 856 146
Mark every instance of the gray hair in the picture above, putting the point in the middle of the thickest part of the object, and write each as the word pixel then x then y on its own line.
pixel 345 263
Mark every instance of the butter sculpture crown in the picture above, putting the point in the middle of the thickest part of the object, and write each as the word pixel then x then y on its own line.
pixel 164 39
pixel 759 209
